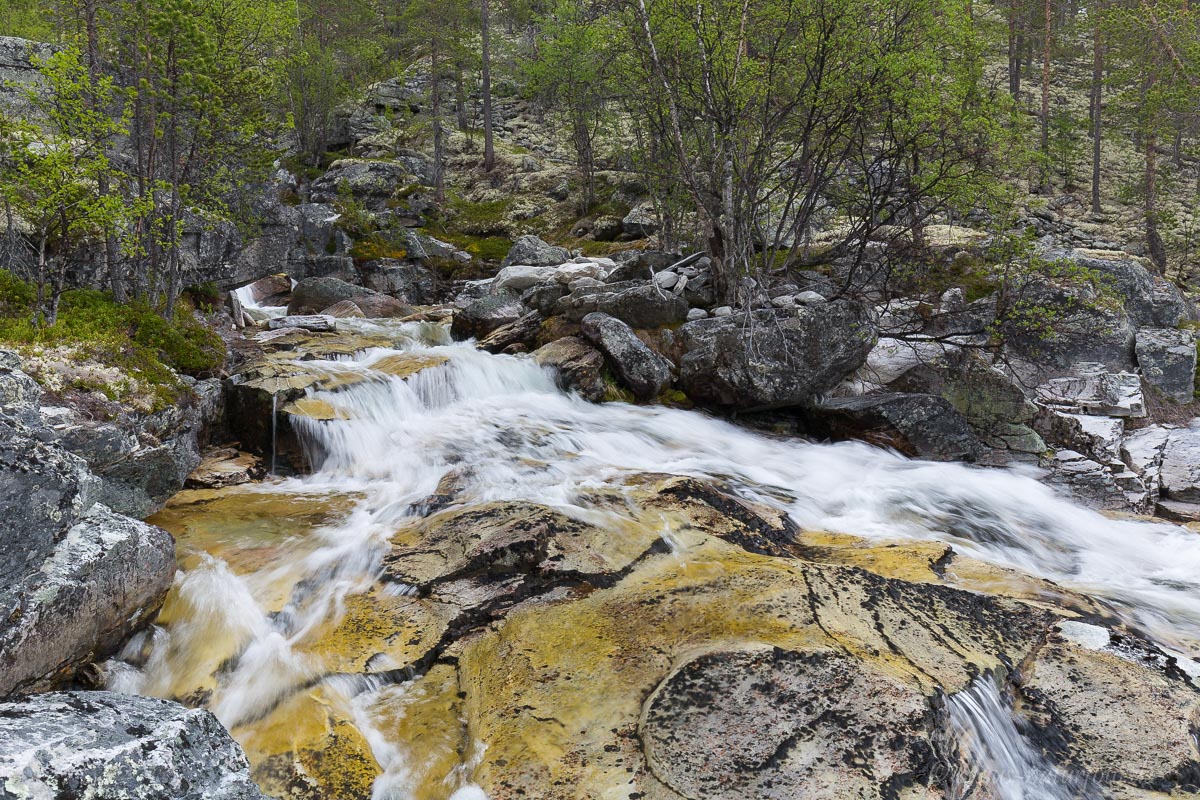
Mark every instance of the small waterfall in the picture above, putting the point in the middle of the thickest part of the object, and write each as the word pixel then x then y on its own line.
pixel 274 428
pixel 997 762
pixel 251 306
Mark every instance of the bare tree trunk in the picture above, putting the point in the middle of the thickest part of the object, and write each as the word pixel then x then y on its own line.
pixel 489 145
pixel 460 98
pixel 1014 58
pixel 439 177
pixel 1046 45
pixel 1154 242
pixel 1097 113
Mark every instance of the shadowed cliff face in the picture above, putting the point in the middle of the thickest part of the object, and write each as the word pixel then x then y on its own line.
pixel 490 587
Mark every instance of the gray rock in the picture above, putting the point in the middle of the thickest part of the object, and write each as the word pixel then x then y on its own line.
pixel 773 358
pixel 413 282
pixel 696 313
pixel 773 723
pixel 318 231
pixel 107 746
pixel 1099 438
pixel 1092 389
pixel 485 315
pixel 424 247
pixel 103 576
pixel 519 277
pixel 640 305
pixel 1142 452
pixel 641 221
pixel 1167 358
pixel 371 182
pixel 579 366
pixel 666 280
pixel 645 372
pixel 918 425
pixel 1180 471
pixel 544 297
pixel 722 311
pixel 808 298
pixel 313 295
pixel 1087 481
pixel 1083 327
pixel 532 251
pixel 18 75
pixel 519 333
pixel 315 323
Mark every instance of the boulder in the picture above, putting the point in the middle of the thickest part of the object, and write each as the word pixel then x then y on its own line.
pixel 108 746
pixel 579 366
pixel 485 315
pixel 773 358
pixel 918 425
pixel 224 467
pixel 519 333
pixel 520 277
pixel 1097 437
pixel 544 297
pixel 1146 298
pixel 987 398
pixel 318 230
pixel 371 182
pixel 1073 323
pixel 105 576
pixel 343 309
pixel 410 280
pixel 1142 452
pixel 641 221
pixel 639 305
pixel 644 371
pixel 313 295
pixel 1167 358
pixel 532 251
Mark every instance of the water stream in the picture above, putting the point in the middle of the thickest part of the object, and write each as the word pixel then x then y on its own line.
pixel 503 429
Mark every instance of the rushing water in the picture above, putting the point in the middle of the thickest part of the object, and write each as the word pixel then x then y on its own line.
pixel 998 762
pixel 505 431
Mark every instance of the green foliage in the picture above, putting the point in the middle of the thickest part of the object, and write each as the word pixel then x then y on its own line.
pixel 134 337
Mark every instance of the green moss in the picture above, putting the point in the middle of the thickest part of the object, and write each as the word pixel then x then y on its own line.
pixel 478 219
pixel 151 350
pixel 375 247
pixel 482 248
pixel 675 399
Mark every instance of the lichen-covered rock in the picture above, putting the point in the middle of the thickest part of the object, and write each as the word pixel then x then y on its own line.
pixel 410 280
pixel 369 181
pixel 531 251
pixel 644 371
pixel 772 723
pixel 1167 358
pixel 105 576
pixel 107 746
pixel 773 358
pixel 1107 704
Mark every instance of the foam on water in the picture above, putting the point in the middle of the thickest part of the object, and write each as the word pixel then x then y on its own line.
pixel 506 432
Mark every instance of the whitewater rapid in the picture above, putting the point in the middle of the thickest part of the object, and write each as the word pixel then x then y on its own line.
pixel 503 430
